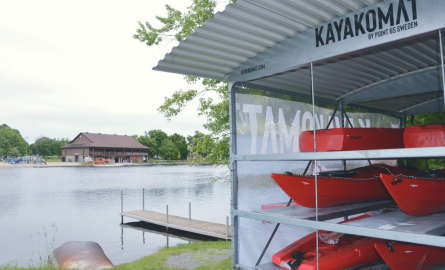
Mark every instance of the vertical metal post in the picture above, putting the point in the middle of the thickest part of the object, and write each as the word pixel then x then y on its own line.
pixel 442 64
pixel 166 216
pixel 122 207
pixel 122 238
pixel 315 150
pixel 342 123
pixel 143 198
pixel 233 173
pixel 227 227
pixel 404 120
pixel 190 210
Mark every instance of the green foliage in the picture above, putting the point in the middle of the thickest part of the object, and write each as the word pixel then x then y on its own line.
pixel 11 140
pixel 212 150
pixel 45 146
pixel 179 25
pixel 168 150
pixel 176 24
pixel 191 140
pixel 428 119
pixel 159 136
pixel 181 145
pixel 149 142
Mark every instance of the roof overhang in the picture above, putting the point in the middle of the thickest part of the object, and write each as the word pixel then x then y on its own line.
pixel 368 52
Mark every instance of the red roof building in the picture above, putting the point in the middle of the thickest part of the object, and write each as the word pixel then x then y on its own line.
pixel 117 148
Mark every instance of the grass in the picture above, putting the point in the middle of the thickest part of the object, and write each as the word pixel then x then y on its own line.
pixel 53 159
pixel 156 261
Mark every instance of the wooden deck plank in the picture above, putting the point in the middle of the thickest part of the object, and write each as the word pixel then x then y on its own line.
pixel 181 223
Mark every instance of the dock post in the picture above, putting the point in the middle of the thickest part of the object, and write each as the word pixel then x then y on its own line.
pixel 143 199
pixel 190 210
pixel 122 207
pixel 166 227
pixel 227 227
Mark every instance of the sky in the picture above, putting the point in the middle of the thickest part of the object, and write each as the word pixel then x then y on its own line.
pixel 73 66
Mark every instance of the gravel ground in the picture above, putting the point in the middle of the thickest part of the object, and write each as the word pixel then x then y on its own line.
pixel 195 259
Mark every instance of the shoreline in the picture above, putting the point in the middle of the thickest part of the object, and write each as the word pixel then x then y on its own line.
pixel 78 164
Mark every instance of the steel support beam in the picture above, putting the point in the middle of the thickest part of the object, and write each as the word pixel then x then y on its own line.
pixel 344 228
pixel 418 82
pixel 430 106
pixel 424 152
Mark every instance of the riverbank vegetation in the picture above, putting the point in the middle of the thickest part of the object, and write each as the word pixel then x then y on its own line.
pixel 158 261
pixel 173 147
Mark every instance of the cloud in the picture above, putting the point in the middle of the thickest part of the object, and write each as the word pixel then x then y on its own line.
pixel 69 67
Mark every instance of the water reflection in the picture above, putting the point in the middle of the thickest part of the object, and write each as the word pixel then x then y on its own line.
pixel 161 230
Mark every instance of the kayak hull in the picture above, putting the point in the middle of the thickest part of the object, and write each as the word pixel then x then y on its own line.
pixel 349 252
pixel 335 191
pixel 349 139
pixel 416 196
pixel 424 136
pixel 411 256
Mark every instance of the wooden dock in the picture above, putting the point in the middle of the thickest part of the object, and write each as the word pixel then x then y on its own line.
pixel 180 223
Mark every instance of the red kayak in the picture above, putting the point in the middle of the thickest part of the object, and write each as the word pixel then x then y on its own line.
pixel 424 136
pixel 420 194
pixel 343 251
pixel 347 139
pixel 404 256
pixel 338 187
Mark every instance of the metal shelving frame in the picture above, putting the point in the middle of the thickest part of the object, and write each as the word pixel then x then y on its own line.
pixel 434 152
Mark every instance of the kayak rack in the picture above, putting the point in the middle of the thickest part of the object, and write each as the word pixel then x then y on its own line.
pixel 300 212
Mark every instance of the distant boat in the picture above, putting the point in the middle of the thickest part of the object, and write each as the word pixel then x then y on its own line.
pixel 338 187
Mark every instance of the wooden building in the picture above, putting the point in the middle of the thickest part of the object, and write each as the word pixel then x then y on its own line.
pixel 118 148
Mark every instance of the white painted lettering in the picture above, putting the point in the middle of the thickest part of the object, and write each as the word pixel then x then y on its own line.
pixel 252 110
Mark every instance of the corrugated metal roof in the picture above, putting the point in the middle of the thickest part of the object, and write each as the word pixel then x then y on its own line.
pixel 248 27
pixel 106 141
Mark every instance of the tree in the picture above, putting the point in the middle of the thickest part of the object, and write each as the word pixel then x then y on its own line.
pixel 179 25
pixel 56 144
pixel 168 150
pixel 191 139
pixel 149 142
pixel 14 152
pixel 43 146
pixel 181 145
pixel 11 138
pixel 159 136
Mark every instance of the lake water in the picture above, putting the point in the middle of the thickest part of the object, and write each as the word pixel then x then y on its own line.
pixel 84 204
